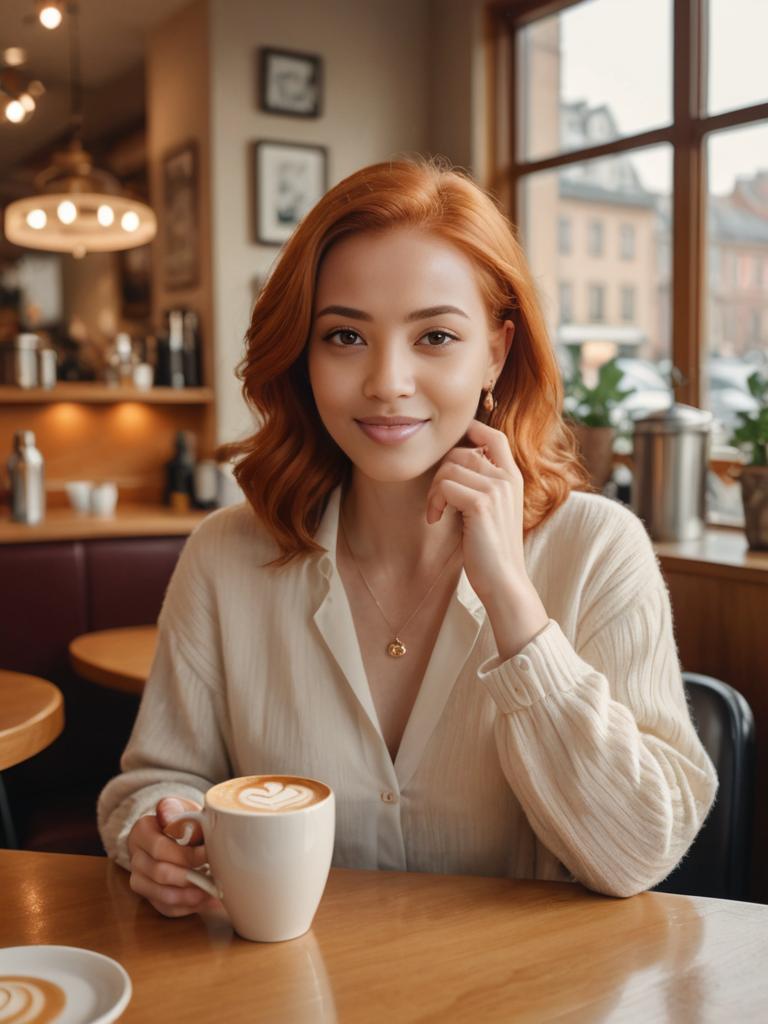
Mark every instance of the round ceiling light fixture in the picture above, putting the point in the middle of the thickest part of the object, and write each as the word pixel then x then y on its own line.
pixel 78 209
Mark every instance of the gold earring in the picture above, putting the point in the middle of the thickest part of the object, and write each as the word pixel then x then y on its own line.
pixel 489 402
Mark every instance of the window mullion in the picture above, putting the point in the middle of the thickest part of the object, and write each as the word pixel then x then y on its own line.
pixel 688 203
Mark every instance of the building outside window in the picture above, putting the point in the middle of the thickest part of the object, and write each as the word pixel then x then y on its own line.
pixel 596 238
pixel 566 302
pixel 596 303
pixel 628 303
pixel 627 241
pixel 564 236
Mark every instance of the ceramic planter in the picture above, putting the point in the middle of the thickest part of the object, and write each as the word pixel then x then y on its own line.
pixel 754 495
pixel 596 444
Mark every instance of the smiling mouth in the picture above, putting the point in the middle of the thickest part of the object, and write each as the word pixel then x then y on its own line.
pixel 391 431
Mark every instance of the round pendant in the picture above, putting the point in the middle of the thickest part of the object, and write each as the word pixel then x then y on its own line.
pixel 396 649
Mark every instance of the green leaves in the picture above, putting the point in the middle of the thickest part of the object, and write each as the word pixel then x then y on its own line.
pixel 592 406
pixel 754 425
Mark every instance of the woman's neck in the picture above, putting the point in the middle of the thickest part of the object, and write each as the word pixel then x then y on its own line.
pixel 386 526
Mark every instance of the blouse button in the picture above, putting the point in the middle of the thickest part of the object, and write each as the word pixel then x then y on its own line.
pixel 523 663
pixel 388 797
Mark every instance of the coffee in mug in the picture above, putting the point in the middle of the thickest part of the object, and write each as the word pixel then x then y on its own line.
pixel 273 794
pixel 269 841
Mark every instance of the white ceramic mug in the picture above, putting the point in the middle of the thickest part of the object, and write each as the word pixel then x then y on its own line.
pixel 79 494
pixel 269 861
pixel 104 500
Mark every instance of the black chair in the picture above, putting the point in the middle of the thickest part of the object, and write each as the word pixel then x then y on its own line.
pixel 717 863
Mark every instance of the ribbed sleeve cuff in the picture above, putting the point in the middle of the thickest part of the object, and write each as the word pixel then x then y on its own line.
pixel 115 837
pixel 547 665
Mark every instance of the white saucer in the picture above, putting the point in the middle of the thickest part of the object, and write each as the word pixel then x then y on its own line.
pixel 97 988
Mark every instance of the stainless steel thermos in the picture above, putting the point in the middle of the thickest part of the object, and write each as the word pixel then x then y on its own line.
pixel 671 452
pixel 26 471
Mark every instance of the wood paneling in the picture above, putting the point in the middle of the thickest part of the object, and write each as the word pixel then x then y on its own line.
pixel 720 627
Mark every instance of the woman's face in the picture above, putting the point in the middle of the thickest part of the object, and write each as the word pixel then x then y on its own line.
pixel 400 331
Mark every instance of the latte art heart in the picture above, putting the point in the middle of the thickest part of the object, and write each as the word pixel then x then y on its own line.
pixel 267 794
pixel 276 796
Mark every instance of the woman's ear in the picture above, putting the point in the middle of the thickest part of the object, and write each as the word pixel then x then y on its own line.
pixel 500 344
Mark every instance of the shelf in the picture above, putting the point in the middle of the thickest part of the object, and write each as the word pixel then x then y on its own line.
pixel 103 394
pixel 129 520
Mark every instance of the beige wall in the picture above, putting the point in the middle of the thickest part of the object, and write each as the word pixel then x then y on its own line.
pixel 377 55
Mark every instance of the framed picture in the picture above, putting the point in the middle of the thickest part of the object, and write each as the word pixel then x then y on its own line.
pixel 290 82
pixel 289 179
pixel 181 235
pixel 136 282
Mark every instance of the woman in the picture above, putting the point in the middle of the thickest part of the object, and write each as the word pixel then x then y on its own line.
pixel 425 610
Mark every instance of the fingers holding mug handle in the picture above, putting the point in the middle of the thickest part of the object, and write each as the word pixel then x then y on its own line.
pixel 189 819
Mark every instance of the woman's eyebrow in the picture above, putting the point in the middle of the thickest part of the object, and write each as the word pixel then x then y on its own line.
pixel 418 314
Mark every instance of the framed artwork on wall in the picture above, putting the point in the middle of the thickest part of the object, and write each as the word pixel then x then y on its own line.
pixel 180 214
pixel 289 178
pixel 290 82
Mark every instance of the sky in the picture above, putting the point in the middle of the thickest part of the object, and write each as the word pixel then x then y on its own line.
pixel 618 52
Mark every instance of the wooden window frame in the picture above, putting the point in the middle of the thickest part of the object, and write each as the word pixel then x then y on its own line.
pixel 687 136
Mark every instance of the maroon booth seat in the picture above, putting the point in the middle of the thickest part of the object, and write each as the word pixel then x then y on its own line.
pixel 51 593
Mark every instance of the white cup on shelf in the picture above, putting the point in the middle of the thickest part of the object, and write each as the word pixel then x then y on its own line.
pixel 79 494
pixel 104 500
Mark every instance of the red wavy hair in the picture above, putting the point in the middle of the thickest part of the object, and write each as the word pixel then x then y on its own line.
pixel 288 468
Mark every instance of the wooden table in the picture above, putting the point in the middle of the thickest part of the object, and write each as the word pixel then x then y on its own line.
pixel 390 946
pixel 31 716
pixel 117 658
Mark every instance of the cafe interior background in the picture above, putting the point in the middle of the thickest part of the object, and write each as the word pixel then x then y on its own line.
pixel 628 140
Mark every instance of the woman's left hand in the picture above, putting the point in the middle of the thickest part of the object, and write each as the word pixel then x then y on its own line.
pixel 485 485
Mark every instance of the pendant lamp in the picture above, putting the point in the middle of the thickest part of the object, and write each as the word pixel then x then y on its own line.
pixel 78 208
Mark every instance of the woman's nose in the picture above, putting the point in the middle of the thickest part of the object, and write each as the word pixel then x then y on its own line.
pixel 388 375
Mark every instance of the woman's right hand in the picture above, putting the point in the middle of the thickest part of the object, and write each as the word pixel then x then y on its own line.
pixel 159 864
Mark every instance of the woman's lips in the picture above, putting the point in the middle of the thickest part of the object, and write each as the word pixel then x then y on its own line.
pixel 390 435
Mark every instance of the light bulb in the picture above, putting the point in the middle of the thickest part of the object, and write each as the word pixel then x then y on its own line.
pixel 130 221
pixel 15 112
pixel 105 215
pixel 14 56
pixel 66 211
pixel 50 16
pixel 37 219
pixel 27 102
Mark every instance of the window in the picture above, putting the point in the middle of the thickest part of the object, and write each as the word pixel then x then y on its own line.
pixel 566 302
pixel 595 244
pixel 628 303
pixel 627 241
pixel 564 237
pixel 593 136
pixel 596 303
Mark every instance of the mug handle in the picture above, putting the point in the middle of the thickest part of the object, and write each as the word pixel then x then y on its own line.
pixel 196 877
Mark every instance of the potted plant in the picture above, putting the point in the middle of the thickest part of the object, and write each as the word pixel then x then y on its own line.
pixel 589 411
pixel 752 438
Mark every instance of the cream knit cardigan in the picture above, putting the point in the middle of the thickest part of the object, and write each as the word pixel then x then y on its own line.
pixel 574 760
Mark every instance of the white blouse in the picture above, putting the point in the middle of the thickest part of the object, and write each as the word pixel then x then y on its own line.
pixel 576 759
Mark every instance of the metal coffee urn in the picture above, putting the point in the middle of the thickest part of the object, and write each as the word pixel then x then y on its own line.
pixel 671 454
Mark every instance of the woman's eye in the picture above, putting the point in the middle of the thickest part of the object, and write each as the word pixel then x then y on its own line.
pixel 438 339
pixel 345 335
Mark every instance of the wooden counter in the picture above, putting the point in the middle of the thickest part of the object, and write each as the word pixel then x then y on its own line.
pixel 129 521
pixel 721 553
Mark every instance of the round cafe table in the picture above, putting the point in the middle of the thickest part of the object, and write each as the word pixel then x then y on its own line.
pixel 31 717
pixel 119 659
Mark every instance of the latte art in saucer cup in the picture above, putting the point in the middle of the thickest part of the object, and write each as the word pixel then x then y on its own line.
pixel 269 842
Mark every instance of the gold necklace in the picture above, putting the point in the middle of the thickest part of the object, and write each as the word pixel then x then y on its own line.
pixel 395 648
